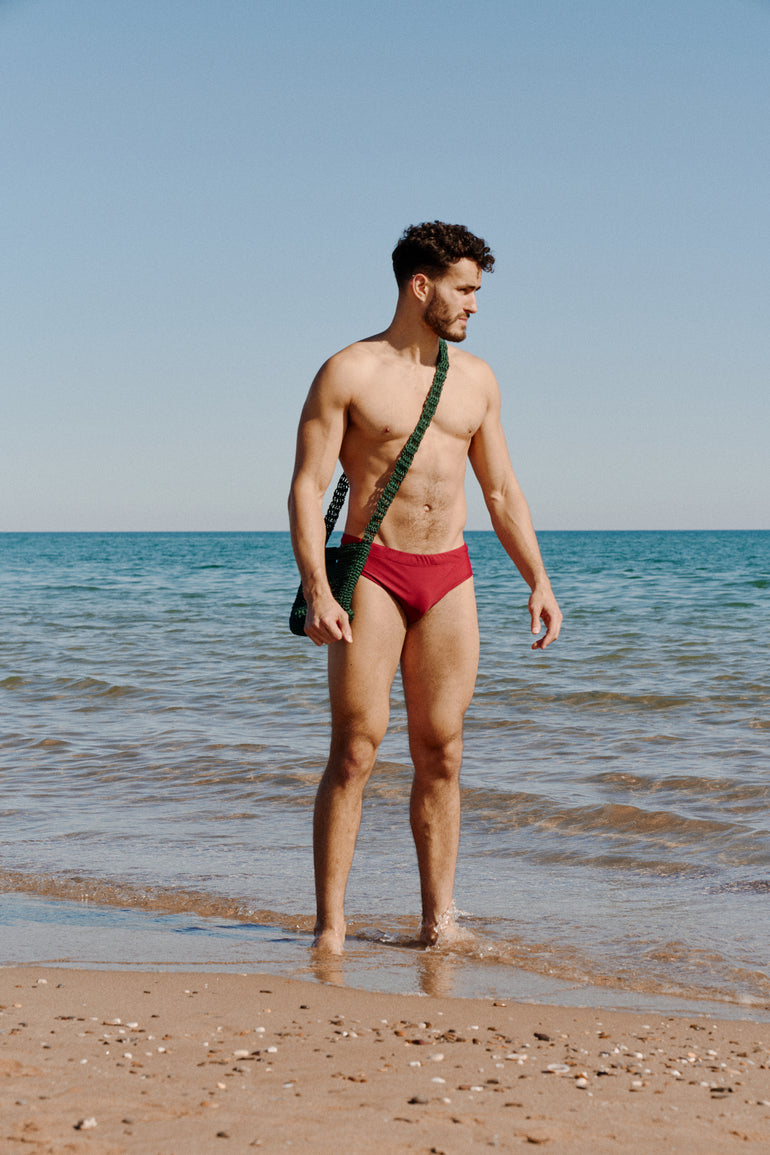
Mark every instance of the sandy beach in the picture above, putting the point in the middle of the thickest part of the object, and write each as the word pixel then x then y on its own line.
pixel 181 1064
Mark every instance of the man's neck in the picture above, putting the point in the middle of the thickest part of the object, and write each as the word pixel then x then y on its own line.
pixel 412 339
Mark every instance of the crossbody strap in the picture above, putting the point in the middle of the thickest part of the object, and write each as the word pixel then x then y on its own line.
pixel 403 461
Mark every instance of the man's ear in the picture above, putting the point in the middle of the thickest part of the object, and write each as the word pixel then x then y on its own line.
pixel 421 285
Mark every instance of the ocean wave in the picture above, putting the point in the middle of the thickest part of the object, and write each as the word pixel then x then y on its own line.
pixel 45 688
pixel 163 900
pixel 495 810
pixel 696 786
pixel 743 886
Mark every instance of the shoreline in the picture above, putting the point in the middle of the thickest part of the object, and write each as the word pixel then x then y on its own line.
pixel 93 936
pixel 151 1062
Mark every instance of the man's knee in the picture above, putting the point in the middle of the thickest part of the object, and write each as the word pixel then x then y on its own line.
pixel 352 758
pixel 437 756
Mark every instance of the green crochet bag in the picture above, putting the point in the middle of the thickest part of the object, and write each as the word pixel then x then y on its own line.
pixel 344 563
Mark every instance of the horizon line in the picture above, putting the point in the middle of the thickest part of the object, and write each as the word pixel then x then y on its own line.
pixel 606 529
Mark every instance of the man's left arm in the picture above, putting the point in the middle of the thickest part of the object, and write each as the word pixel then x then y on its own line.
pixel 509 512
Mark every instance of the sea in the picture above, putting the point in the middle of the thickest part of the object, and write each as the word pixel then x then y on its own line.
pixel 163 734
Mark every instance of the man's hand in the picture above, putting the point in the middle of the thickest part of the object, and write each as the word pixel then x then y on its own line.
pixel 327 622
pixel 543 607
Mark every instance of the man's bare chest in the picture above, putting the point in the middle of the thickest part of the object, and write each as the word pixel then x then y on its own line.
pixel 391 411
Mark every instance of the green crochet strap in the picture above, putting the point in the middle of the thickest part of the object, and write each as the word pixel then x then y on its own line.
pixel 335 505
pixel 405 458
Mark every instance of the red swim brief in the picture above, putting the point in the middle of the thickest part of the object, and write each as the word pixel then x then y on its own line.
pixel 417 581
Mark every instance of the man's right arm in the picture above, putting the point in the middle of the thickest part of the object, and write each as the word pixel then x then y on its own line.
pixel 319 438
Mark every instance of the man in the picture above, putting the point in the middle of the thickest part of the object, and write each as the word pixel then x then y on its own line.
pixel 414 604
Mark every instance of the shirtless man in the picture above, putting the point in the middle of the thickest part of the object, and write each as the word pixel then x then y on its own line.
pixel 361 408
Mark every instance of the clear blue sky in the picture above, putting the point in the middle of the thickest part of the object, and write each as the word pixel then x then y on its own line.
pixel 200 198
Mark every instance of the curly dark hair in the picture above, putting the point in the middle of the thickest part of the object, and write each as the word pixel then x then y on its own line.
pixel 433 246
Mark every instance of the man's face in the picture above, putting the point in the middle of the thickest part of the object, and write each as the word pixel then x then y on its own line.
pixel 453 299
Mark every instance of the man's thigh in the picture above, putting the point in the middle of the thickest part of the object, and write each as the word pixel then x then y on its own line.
pixel 361 672
pixel 439 664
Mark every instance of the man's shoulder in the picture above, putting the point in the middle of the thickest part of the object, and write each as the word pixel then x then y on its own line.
pixel 354 361
pixel 360 354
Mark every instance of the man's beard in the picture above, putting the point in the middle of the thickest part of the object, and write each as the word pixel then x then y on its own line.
pixel 438 317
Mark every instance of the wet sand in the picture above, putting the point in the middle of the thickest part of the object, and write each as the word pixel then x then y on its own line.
pixel 181 1064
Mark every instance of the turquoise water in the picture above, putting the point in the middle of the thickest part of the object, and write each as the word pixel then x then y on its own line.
pixel 163 734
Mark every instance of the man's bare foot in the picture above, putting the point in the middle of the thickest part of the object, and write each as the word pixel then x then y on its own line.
pixel 428 935
pixel 444 932
pixel 330 941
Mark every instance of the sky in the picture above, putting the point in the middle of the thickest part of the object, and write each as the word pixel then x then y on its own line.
pixel 200 199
